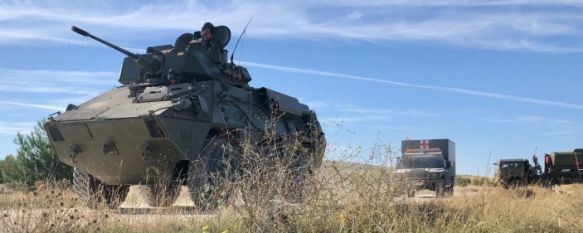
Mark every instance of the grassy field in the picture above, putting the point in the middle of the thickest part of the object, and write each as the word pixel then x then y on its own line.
pixel 343 197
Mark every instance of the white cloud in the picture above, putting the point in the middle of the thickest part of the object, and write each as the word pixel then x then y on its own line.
pixel 70 76
pixel 560 132
pixel 454 3
pixel 83 83
pixel 355 15
pixel 32 88
pixel 395 112
pixel 462 91
pixel 500 25
pixel 12 128
pixel 346 113
pixel 533 119
pixel 358 119
pixel 374 115
pixel 536 120
pixel 544 125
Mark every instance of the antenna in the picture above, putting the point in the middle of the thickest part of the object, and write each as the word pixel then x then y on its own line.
pixel 535 149
pixel 488 164
pixel 535 161
pixel 242 34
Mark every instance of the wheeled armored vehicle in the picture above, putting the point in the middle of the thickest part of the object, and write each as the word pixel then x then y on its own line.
pixel 182 116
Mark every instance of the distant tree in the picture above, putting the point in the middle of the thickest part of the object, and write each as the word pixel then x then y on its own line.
pixel 462 181
pixel 10 170
pixel 36 159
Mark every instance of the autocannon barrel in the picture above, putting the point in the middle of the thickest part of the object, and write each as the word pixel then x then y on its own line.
pixel 149 63
pixel 87 34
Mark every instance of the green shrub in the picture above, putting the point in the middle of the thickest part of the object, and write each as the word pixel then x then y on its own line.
pixel 462 181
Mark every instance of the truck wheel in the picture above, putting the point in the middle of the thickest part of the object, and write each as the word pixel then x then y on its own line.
pixel 513 183
pixel 163 194
pixel 504 184
pixel 93 193
pixel 209 175
pixel 450 191
pixel 440 190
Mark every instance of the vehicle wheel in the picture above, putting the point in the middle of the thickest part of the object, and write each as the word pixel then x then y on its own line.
pixel 93 193
pixel 411 193
pixel 440 190
pixel 114 195
pixel 513 183
pixel 297 188
pixel 505 184
pixel 162 195
pixel 209 176
pixel 450 191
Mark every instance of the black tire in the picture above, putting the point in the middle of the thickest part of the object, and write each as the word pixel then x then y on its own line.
pixel 297 160
pixel 449 191
pixel 93 193
pixel 210 176
pixel 513 183
pixel 297 187
pixel 440 190
pixel 411 193
pixel 85 188
pixel 505 184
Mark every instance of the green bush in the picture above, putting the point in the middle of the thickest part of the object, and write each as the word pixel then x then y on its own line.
pixel 462 181
pixel 10 171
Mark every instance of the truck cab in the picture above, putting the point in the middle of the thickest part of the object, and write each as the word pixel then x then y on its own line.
pixel 515 172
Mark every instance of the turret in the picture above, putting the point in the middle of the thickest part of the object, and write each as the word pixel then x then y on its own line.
pixel 191 57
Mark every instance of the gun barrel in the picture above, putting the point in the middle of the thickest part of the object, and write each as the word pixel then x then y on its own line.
pixel 87 34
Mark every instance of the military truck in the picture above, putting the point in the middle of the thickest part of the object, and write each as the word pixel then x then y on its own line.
pixel 183 115
pixel 427 164
pixel 559 168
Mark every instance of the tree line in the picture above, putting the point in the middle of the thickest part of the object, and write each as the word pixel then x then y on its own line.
pixel 35 160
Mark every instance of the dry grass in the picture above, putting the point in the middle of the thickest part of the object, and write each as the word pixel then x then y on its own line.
pixel 343 197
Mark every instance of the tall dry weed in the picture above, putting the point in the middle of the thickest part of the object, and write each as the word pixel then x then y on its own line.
pixel 276 188
pixel 49 207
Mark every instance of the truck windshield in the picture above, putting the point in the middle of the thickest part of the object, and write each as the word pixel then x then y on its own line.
pixel 408 163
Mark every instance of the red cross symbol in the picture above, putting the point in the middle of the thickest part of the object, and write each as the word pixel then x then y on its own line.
pixel 424 144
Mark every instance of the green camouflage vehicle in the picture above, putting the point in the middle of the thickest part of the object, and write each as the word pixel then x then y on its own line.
pixel 182 115
pixel 427 164
pixel 516 172
pixel 560 168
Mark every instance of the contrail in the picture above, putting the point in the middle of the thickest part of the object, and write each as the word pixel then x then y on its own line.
pixel 40 106
pixel 412 85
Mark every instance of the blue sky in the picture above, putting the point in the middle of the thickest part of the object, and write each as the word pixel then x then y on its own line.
pixel 497 77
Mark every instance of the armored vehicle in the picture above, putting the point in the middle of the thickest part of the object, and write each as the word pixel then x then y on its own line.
pixel 182 116
pixel 560 168
pixel 428 164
